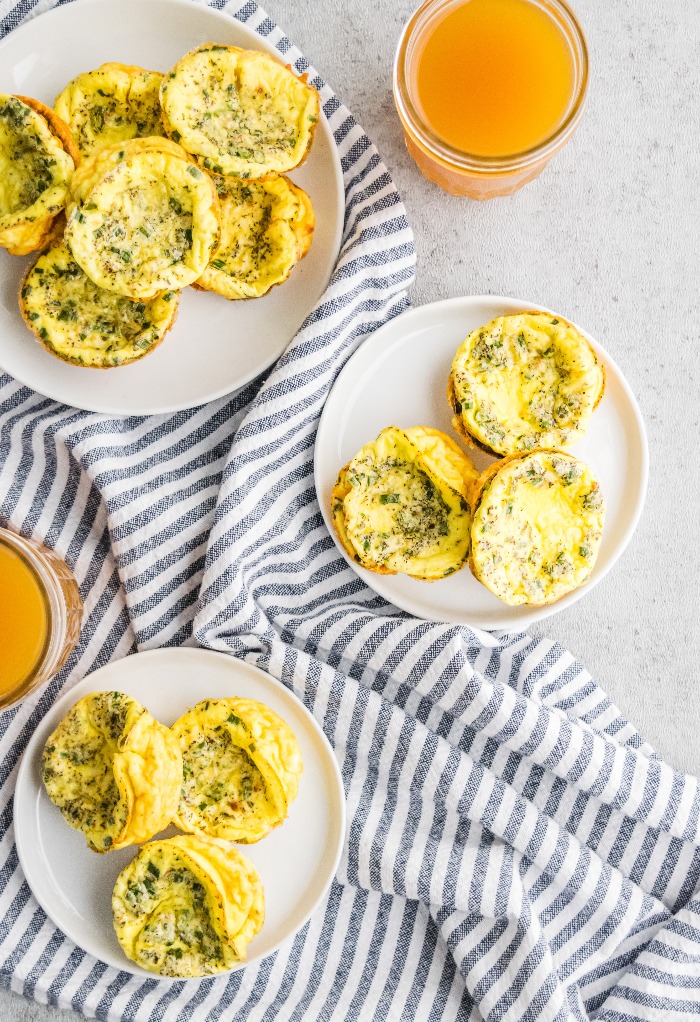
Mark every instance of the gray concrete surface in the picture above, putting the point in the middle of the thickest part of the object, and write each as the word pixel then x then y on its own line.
pixel 609 235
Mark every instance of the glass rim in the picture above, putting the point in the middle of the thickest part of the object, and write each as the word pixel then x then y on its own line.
pixel 437 147
pixel 55 617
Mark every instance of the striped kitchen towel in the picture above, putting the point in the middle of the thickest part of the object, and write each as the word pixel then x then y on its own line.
pixel 514 850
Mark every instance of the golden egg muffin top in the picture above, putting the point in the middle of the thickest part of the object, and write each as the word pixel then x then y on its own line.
pixel 150 224
pixel 537 528
pixel 113 771
pixel 187 907
pixel 111 104
pixel 93 168
pixel 524 381
pixel 83 324
pixel 37 157
pixel 266 228
pixel 242 113
pixel 241 769
pixel 403 504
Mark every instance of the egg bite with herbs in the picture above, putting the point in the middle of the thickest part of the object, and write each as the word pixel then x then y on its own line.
pixel 241 768
pixel 187 907
pixel 149 224
pixel 241 113
pixel 37 159
pixel 537 528
pixel 94 168
pixel 83 324
pixel 404 504
pixel 113 103
pixel 113 771
pixel 266 228
pixel 524 381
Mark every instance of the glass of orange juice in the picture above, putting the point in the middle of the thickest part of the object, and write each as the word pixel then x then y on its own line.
pixel 40 616
pixel 489 90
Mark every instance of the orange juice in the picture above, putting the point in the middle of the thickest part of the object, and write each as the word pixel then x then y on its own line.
pixel 494 77
pixel 24 621
pixel 488 91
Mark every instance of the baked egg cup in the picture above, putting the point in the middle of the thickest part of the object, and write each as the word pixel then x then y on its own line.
pixel 149 224
pixel 37 158
pixel 113 771
pixel 522 382
pixel 404 504
pixel 113 103
pixel 187 907
pixel 83 324
pixel 241 769
pixel 537 527
pixel 241 113
pixel 266 228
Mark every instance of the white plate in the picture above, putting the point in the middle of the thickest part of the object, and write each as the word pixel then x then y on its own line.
pixel 296 862
pixel 216 346
pixel 398 378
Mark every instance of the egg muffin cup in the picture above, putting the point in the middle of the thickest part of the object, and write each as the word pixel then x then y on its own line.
pixel 537 527
pixel 113 103
pixel 404 504
pixel 81 323
pixel 113 771
pixel 241 113
pixel 241 769
pixel 38 154
pixel 149 224
pixel 187 907
pixel 94 168
pixel 523 382
pixel 266 228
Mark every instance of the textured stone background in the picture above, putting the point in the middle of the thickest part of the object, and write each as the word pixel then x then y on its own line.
pixel 609 236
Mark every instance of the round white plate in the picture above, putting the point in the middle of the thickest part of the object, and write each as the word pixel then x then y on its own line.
pixel 296 862
pixel 398 377
pixel 216 346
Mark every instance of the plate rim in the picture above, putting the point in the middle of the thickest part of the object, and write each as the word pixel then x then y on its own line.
pixel 56 712
pixel 164 407
pixel 372 347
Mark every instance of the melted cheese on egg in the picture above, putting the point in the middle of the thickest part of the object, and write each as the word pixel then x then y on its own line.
pixel 523 382
pixel 537 527
pixel 240 112
pixel 403 504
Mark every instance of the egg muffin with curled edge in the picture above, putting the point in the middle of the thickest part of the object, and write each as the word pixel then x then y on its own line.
pixel 187 907
pixel 404 504
pixel 245 902
pixel 538 523
pixel 83 324
pixel 149 224
pixel 241 768
pixel 93 168
pixel 524 381
pixel 266 228
pixel 241 113
pixel 37 158
pixel 113 771
pixel 114 103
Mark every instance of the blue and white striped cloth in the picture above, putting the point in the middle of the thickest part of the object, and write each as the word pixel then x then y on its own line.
pixel 515 851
